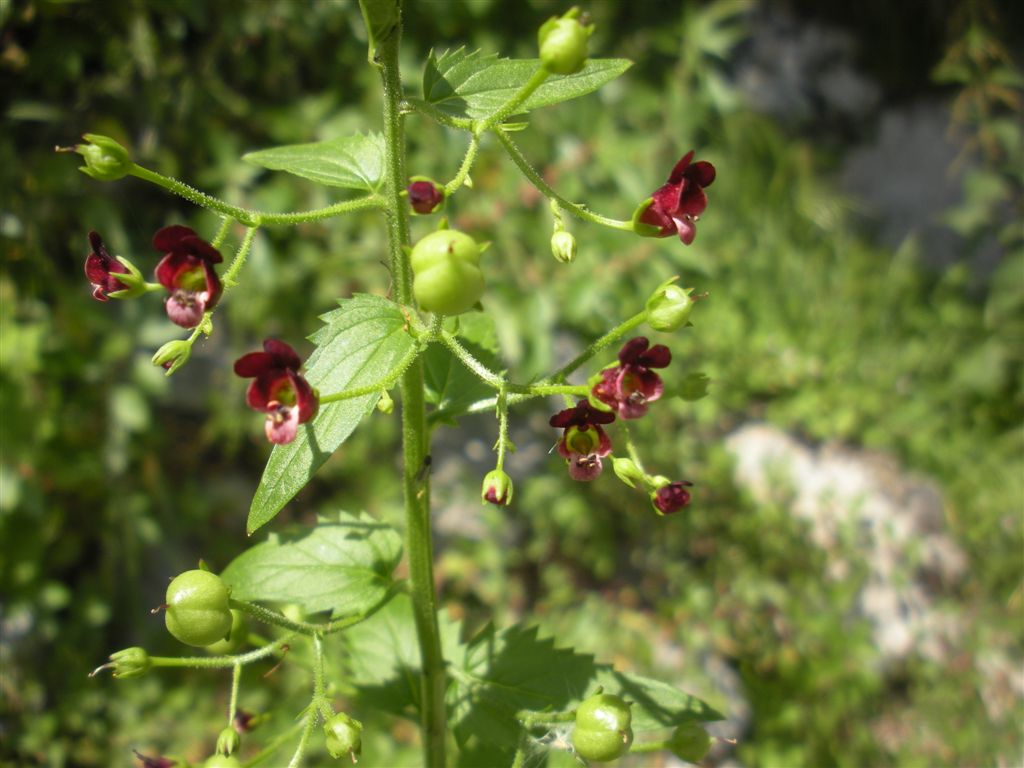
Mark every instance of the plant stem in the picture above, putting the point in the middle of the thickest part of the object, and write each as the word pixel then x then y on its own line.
pixel 609 338
pixel 467 163
pixel 518 98
pixel 300 750
pixel 220 662
pixel 268 616
pixel 577 210
pixel 415 440
pixel 236 680
pixel 384 384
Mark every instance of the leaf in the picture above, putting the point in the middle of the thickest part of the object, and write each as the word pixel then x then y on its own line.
pixel 363 343
pixel 475 85
pixel 342 567
pixel 656 705
pixel 354 162
pixel 381 18
pixel 383 657
pixel 504 672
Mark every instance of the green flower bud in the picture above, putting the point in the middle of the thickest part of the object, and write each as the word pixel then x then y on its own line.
pixel 344 736
pixel 563 43
pixel 105 159
pixel 690 742
pixel 129 663
pixel 669 307
pixel 627 471
pixel 385 404
pixel 172 355
pixel 640 226
pixel 228 741
pixel 563 246
pixel 497 488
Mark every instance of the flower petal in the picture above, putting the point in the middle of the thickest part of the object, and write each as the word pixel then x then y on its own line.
pixel 658 356
pixel 680 168
pixel 632 350
pixel 283 355
pixel 253 364
pixel 168 238
pixel 282 423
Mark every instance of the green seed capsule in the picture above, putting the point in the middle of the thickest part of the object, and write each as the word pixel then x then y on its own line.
pixel 197 610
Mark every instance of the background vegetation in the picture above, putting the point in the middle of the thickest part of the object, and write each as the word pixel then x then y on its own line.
pixel 113 478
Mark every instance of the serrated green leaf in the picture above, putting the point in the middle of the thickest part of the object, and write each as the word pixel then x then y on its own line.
pixel 353 162
pixel 474 85
pixel 361 344
pixel 656 705
pixel 381 18
pixel 342 567
pixel 504 672
pixel 383 657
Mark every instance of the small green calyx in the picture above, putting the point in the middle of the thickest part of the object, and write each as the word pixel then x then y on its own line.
pixel 642 228
pixel 690 742
pixel 563 43
pixel 344 737
pixel 105 159
pixel 497 488
pixel 228 741
pixel 172 355
pixel 129 663
pixel 222 761
pixel 563 247
pixel 197 610
pixel 669 307
pixel 132 280
pixel 627 471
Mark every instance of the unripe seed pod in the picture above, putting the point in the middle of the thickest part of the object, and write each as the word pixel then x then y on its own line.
pixel 446 272
pixel 228 741
pixel 603 729
pixel 222 761
pixel 690 742
pixel 669 307
pixel 129 663
pixel 105 159
pixel 563 43
pixel 197 610
pixel 344 736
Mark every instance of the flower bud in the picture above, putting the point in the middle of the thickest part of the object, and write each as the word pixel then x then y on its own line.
pixel 497 488
pixel 172 355
pixel 344 736
pixel 228 741
pixel 129 663
pixel 669 307
pixel 563 246
pixel 690 742
pixel 425 196
pixel 627 471
pixel 105 159
pixel 670 497
pixel 563 43
pixel 385 404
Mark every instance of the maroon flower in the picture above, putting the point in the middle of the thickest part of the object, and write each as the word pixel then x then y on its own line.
pixel 100 268
pixel 675 207
pixel 187 272
pixel 278 390
pixel 629 386
pixel 425 196
pixel 672 497
pixel 584 442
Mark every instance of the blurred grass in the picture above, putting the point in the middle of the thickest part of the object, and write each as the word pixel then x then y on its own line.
pixel 113 478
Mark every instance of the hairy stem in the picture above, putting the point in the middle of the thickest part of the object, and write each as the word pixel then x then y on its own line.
pixel 415 440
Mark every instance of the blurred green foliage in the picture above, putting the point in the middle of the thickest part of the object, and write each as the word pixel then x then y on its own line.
pixel 113 478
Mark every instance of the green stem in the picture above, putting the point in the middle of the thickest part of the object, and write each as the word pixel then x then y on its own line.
pixel 650 746
pixel 245 216
pixel 615 334
pixel 384 384
pixel 221 662
pixel 576 209
pixel 236 680
pixel 518 98
pixel 222 233
pixel 503 441
pixel 485 374
pixel 456 183
pixel 228 278
pixel 274 744
pixel 530 719
pixel 428 109
pixel 268 616
pixel 415 440
pixel 300 749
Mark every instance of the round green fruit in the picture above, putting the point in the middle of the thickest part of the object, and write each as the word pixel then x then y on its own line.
pixel 690 742
pixel 604 711
pixel 344 736
pixel 222 761
pixel 563 46
pixel 446 272
pixel 603 728
pixel 236 637
pixel 601 745
pixel 197 610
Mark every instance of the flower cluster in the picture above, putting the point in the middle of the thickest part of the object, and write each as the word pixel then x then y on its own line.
pixel 675 206
pixel 624 389
pixel 278 390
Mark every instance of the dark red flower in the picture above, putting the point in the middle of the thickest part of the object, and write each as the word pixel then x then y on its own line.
pixel 186 271
pixel 629 386
pixel 425 196
pixel 672 497
pixel 278 390
pixel 100 268
pixel 159 761
pixel 675 207
pixel 584 442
